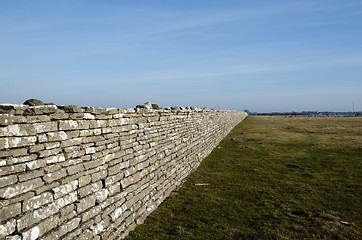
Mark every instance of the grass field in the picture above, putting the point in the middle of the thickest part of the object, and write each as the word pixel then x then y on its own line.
pixel 272 177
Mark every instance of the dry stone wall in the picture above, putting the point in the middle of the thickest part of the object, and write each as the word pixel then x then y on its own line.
pixel 95 173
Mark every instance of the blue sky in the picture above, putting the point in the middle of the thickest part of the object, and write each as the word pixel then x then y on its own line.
pixel 258 55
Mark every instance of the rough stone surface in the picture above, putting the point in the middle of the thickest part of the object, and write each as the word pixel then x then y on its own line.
pixel 33 102
pixel 92 173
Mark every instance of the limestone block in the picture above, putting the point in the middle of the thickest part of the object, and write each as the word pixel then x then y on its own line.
pixel 113 179
pixel 64 189
pixel 13 152
pixel 7 170
pixel 58 115
pixel 73 134
pixel 115 188
pixel 37 201
pixel 22 159
pixel 13 109
pixel 8 180
pixel 7 228
pixel 76 115
pixel 30 175
pixel 71 108
pixel 71 142
pixel 10 211
pixel 102 195
pixel 75 169
pixel 46 153
pixel 52 145
pixel 94 211
pixel 86 203
pixel 127 181
pixel 37 215
pixel 13 142
pixel 40 110
pixel 50 177
pixel 42 228
pixel 57 136
pixel 20 188
pixel 36 148
pixel 84 180
pixel 101 226
pixel 32 165
pixel 91 188
pixel 68 125
pixel 83 124
pixel 42 138
pixel 6 119
pixel 45 127
pixel 55 159
pixel 47 187
pixel 88 116
pixel 67 227
pixel 99 175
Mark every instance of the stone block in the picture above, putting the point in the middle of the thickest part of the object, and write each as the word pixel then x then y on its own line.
pixel 50 177
pixel 115 188
pixel 45 127
pixel 68 125
pixel 36 164
pixel 47 187
pixel 76 115
pixel 73 134
pixel 10 211
pixel 21 197
pixel 83 124
pixel 22 159
pixel 36 148
pixel 30 175
pixel 7 170
pixel 126 182
pixel 99 175
pixel 20 188
pixel 84 180
pixel 59 115
pixel 40 110
pixel 94 211
pixel 71 142
pixel 37 201
pixel 71 108
pixel 86 203
pixel 42 138
pixel 66 227
pixel 46 153
pixel 75 169
pixel 52 145
pixel 110 180
pixel 37 215
pixel 91 188
pixel 55 159
pixel 64 189
pixel 14 142
pixel 8 180
pixel 41 229
pixel 7 228
pixel 13 152
pixel 6 119
pixel 102 195
pixel 57 136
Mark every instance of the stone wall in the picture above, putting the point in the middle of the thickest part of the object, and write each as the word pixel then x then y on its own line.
pixel 95 173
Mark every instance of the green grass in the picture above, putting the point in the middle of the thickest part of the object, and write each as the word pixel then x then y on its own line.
pixel 271 178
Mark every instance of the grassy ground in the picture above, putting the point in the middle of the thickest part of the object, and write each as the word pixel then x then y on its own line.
pixel 271 178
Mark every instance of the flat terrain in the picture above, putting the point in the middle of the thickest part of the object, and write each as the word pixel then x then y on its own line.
pixel 272 177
